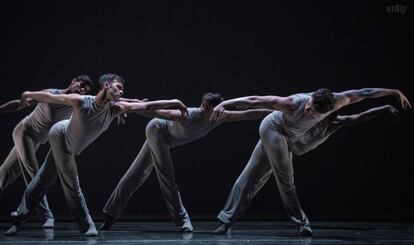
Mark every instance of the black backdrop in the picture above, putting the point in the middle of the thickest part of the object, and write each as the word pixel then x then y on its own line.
pixel 182 49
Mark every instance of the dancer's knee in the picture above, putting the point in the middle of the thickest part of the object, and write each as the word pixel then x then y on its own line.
pixel 18 134
pixel 56 133
pixel 152 131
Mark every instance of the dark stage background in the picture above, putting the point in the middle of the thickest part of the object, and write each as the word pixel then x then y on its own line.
pixel 182 49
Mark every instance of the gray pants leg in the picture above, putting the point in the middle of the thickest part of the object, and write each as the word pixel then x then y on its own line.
pixel 26 154
pixel 136 175
pixel 60 163
pixel 37 188
pixel 68 175
pixel 280 158
pixel 256 173
pixel 160 153
pixel 9 170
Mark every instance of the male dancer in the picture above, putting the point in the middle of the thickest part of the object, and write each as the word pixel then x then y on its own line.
pixel 280 130
pixel 91 117
pixel 258 170
pixel 162 135
pixel 30 133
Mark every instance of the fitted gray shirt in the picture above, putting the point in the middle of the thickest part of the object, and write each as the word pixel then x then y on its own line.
pixel 295 125
pixel 42 118
pixel 194 127
pixel 314 137
pixel 87 123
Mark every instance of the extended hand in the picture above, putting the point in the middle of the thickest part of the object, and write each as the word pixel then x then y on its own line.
pixel 121 118
pixel 182 108
pixel 24 100
pixel 403 100
pixel 218 113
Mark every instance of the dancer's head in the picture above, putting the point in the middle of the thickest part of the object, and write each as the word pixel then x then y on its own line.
pixel 209 101
pixel 322 101
pixel 113 85
pixel 81 85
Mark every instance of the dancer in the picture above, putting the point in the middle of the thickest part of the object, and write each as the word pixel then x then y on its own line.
pixel 162 135
pixel 280 131
pixel 258 170
pixel 30 133
pixel 91 117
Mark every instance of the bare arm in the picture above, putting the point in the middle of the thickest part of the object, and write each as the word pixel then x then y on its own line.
pixel 46 97
pixel 344 121
pixel 151 106
pixel 352 96
pixel 17 105
pixel 252 114
pixel 269 102
pixel 173 115
pixel 14 105
pixel 121 117
pixel 132 100
pixel 260 102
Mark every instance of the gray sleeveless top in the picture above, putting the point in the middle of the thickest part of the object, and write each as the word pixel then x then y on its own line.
pixel 295 125
pixel 42 118
pixel 193 128
pixel 87 123
pixel 314 137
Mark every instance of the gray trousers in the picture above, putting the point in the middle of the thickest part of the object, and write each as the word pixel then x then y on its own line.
pixel 155 153
pixel 22 161
pixel 59 163
pixel 271 155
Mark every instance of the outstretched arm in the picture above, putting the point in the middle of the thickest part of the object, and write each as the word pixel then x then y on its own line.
pixel 46 97
pixel 152 106
pixel 352 96
pixel 344 121
pixel 121 117
pixel 14 105
pixel 173 115
pixel 269 102
pixel 252 114
pixel 132 100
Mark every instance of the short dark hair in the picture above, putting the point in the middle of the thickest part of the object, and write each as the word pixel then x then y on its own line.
pixel 323 100
pixel 85 79
pixel 212 98
pixel 110 78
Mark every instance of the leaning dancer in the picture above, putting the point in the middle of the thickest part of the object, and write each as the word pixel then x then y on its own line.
pixel 91 117
pixel 279 132
pixel 162 135
pixel 258 170
pixel 30 133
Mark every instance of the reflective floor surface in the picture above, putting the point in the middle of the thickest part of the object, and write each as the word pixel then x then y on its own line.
pixel 242 233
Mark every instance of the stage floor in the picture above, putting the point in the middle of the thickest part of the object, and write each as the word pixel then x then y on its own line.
pixel 242 233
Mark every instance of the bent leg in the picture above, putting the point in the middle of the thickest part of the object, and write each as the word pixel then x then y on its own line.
pixel 68 175
pixel 37 188
pixel 160 153
pixel 26 149
pixel 9 170
pixel 280 158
